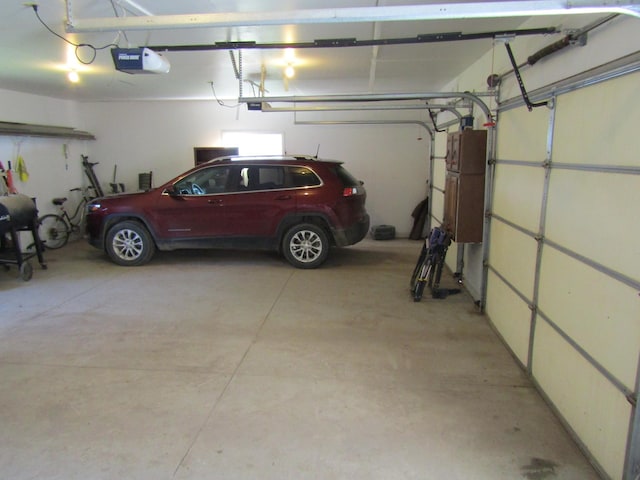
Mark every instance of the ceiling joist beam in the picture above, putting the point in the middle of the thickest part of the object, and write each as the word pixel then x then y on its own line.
pixel 442 11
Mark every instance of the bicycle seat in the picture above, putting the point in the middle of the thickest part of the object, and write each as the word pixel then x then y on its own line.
pixel 59 200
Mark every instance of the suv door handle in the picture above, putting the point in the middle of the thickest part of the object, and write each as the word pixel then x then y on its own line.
pixel 284 197
pixel 217 202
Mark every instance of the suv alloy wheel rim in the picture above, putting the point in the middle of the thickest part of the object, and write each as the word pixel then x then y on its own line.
pixel 127 244
pixel 306 246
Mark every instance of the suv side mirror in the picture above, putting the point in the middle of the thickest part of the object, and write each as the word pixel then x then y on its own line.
pixel 171 190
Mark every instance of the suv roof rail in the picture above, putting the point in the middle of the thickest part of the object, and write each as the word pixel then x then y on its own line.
pixel 253 158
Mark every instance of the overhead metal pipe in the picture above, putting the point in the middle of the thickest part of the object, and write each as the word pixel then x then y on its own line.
pixel 373 98
pixel 366 122
pixel 268 108
pixel 443 107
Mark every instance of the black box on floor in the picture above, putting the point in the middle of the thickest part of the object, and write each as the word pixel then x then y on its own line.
pixel 383 232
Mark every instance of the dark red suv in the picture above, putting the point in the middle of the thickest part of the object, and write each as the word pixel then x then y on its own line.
pixel 299 206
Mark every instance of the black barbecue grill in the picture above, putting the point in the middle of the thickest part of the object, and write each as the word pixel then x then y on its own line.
pixel 19 213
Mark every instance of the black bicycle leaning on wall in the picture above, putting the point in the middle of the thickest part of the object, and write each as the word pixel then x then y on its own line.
pixel 55 229
pixel 428 269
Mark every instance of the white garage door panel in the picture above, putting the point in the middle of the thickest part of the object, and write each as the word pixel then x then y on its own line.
pixel 595 409
pixel 600 314
pixel 440 147
pixel 439 173
pixel 510 315
pixel 596 215
pixel 437 207
pixel 513 255
pixel 602 128
pixel 522 135
pixel 518 194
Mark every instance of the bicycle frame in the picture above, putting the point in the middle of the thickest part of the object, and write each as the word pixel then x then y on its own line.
pixel 79 210
pixel 55 229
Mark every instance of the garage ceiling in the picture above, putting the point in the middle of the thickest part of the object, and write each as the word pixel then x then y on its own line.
pixel 36 61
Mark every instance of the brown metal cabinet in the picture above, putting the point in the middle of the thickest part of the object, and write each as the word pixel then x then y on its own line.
pixel 464 185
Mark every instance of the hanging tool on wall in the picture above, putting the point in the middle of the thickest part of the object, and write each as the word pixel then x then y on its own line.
pixel 8 178
pixel 65 153
pixel 88 169
pixel 5 180
pixel 21 167
pixel 116 187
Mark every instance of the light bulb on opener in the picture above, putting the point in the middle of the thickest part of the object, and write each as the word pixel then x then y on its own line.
pixel 289 72
pixel 73 76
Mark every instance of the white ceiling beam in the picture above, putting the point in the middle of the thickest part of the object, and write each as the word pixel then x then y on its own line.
pixel 443 11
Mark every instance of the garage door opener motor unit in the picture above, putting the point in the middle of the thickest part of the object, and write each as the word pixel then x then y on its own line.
pixel 139 60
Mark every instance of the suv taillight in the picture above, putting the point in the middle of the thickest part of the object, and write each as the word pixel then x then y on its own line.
pixel 351 191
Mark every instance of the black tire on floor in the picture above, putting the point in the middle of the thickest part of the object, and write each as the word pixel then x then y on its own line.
pixel 130 244
pixel 26 271
pixel 305 246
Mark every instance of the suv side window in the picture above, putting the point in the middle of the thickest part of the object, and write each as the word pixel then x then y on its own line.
pixel 261 178
pixel 204 182
pixel 302 177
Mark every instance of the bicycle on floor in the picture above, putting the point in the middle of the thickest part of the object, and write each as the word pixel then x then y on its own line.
pixel 428 269
pixel 55 229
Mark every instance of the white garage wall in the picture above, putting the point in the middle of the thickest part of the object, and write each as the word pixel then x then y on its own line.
pixel 51 174
pixel 392 160
pixel 570 324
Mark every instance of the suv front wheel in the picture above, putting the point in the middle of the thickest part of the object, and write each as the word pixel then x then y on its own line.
pixel 305 246
pixel 130 244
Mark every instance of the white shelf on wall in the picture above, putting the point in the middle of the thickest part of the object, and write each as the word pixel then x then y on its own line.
pixel 34 130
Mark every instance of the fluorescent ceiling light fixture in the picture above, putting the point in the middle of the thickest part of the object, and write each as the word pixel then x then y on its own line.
pixel 441 11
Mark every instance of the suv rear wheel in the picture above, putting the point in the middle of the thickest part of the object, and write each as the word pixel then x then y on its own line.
pixel 129 243
pixel 305 246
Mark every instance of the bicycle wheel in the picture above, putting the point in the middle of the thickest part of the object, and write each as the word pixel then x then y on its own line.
pixel 53 231
pixel 425 276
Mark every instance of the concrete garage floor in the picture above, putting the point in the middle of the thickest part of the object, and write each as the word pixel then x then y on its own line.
pixel 234 365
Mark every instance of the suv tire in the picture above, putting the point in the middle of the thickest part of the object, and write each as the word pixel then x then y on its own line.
pixel 129 243
pixel 305 245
